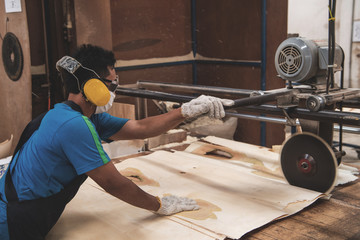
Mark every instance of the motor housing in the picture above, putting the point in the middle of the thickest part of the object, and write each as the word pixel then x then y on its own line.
pixel 305 61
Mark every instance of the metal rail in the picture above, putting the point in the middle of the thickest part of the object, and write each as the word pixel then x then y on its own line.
pixel 248 105
pixel 196 89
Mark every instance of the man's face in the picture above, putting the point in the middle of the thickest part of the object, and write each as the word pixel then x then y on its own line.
pixel 110 79
pixel 112 76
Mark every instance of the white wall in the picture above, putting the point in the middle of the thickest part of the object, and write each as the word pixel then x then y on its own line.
pixel 309 18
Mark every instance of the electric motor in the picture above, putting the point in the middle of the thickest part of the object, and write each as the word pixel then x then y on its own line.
pixel 305 61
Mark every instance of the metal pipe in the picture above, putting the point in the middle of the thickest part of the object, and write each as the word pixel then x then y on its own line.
pixel 285 122
pixel 153 95
pixel 258 118
pixel 263 64
pixel 46 20
pixel 346 118
pixel 193 27
pixel 189 88
pixel 193 40
pixel 255 100
pixel 347 129
pixel 341 95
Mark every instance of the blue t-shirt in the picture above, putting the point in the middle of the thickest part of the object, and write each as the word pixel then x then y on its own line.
pixel 67 144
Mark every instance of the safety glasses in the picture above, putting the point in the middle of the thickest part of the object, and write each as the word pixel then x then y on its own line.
pixel 112 84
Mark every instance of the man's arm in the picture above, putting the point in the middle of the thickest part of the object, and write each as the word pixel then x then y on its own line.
pixel 153 126
pixel 109 178
pixel 150 126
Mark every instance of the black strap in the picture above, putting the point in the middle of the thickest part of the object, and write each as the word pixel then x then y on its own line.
pixel 32 126
pixel 74 106
pixel 33 219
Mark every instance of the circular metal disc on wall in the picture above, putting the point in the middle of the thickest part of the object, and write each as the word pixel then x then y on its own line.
pixel 12 56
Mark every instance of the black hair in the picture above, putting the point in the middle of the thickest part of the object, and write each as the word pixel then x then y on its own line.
pixel 93 57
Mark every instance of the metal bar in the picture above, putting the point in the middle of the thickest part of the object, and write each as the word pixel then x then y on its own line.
pixel 153 95
pixel 194 40
pixel 355 147
pixel 258 118
pixel 347 129
pixel 194 73
pixel 153 65
pixel 195 61
pixel 341 95
pixel 234 62
pixel 46 22
pixel 263 66
pixel 263 45
pixel 255 100
pixel 189 88
pixel 346 118
pixel 193 27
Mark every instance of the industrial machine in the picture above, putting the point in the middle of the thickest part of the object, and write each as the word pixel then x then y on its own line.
pixel 310 99
pixel 308 159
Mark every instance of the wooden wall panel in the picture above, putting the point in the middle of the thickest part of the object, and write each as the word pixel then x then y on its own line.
pixel 229 29
pixel 93 23
pixel 15 97
pixel 153 31
pixel 172 74
pixel 232 30
pixel 227 75
pixel 144 29
pixel 234 76
pixel 276 32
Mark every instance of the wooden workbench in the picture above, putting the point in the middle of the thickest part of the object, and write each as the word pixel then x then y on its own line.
pixel 337 218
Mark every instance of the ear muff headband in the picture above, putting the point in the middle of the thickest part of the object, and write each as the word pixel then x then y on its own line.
pixel 96 92
pixel 93 88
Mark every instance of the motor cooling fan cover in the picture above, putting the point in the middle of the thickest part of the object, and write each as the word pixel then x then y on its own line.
pixel 296 59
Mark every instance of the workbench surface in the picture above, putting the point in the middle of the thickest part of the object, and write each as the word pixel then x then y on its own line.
pixel 337 218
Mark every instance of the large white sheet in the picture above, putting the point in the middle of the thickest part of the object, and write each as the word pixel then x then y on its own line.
pixel 234 199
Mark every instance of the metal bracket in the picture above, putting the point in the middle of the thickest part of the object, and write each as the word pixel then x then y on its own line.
pixel 290 121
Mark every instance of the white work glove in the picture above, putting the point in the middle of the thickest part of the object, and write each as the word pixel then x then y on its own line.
pixel 173 204
pixel 212 106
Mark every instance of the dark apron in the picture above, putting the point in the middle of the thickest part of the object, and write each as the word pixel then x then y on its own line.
pixel 33 219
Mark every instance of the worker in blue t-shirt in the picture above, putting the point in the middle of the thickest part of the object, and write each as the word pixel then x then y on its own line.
pixel 60 149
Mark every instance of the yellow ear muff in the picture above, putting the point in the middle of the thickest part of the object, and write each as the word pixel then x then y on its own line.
pixel 96 92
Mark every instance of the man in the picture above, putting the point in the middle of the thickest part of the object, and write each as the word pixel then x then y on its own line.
pixel 56 153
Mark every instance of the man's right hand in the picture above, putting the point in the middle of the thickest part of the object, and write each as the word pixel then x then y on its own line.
pixel 212 106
